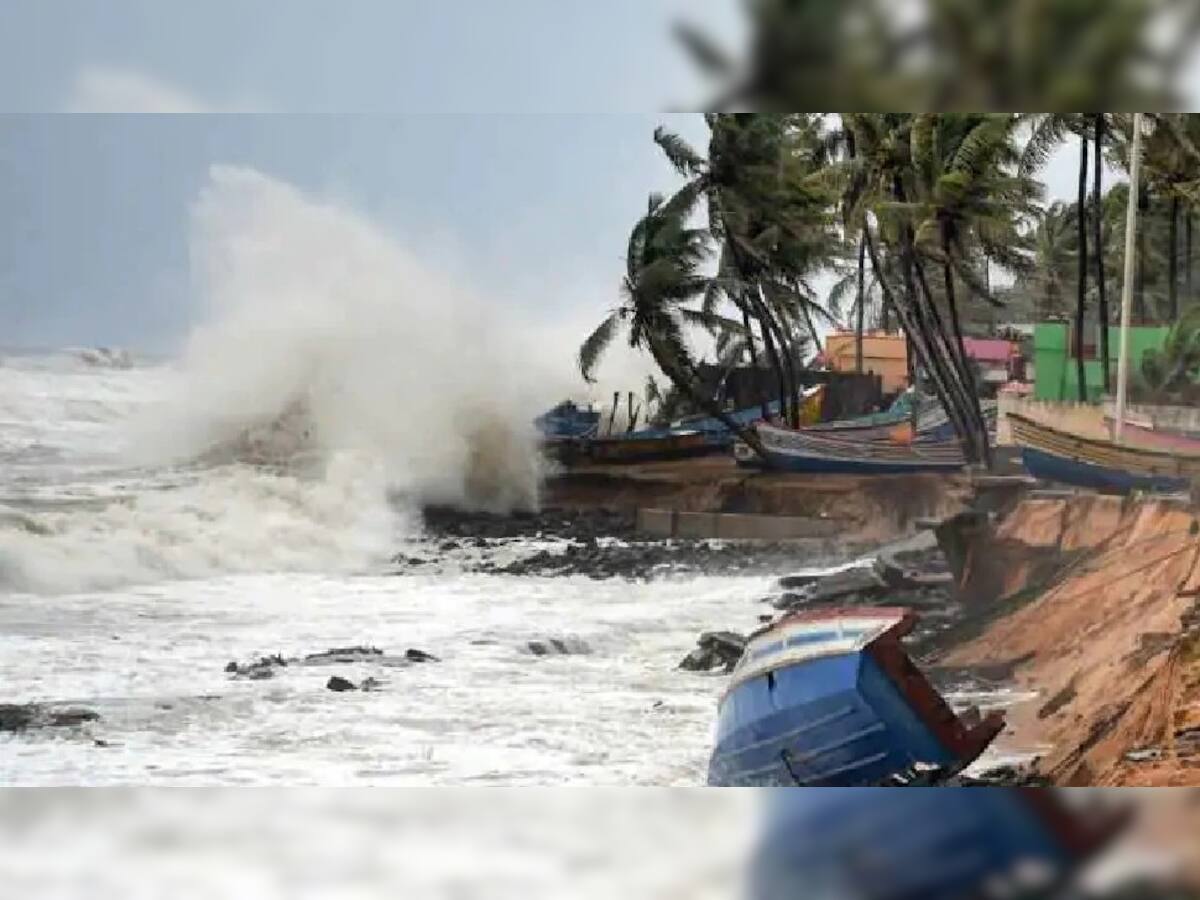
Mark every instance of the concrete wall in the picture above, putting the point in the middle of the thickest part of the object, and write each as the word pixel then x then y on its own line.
pixel 1087 420
pixel 1175 418
pixel 1078 418
pixel 667 523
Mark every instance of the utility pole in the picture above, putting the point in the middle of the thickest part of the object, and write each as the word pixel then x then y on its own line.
pixel 1135 166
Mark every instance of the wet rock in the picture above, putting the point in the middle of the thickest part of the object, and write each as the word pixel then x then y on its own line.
pixel 715 650
pixel 24 716
pixel 557 647
pixel 419 656
pixel 370 684
pixel 343 655
pixel 338 683
pixel 258 669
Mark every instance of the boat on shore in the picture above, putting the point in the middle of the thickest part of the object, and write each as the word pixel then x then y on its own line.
pixel 649 446
pixel 1054 455
pixel 830 698
pixel 789 450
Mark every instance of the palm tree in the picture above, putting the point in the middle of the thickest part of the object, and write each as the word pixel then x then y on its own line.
pixel 768 211
pixel 874 186
pixel 969 197
pixel 663 271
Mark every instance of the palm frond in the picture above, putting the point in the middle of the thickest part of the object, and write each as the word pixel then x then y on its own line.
pixel 595 344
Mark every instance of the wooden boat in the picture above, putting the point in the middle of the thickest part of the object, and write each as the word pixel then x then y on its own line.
pixel 1146 437
pixel 649 446
pixel 805 451
pixel 916 845
pixel 829 698
pixel 1055 455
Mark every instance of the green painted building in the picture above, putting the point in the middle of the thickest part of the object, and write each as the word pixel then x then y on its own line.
pixel 1055 372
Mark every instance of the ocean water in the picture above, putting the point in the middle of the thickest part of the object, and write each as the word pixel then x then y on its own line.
pixel 126 589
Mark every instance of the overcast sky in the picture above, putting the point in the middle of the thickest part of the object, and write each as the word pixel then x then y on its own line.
pixel 468 149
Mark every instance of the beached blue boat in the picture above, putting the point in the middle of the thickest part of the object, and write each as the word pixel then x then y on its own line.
pixel 789 450
pixel 829 698
pixel 948 844
pixel 1059 456
pixel 567 421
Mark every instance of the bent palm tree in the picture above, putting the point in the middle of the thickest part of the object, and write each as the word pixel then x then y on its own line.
pixel 662 273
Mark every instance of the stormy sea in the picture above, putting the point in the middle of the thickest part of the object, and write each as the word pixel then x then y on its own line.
pixel 173 529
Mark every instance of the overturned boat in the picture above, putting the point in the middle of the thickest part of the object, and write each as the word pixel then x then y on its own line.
pixel 830 698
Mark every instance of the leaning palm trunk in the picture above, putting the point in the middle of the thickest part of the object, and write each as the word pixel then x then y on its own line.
pixel 767 324
pixel 1080 301
pixel 968 376
pixel 861 311
pixel 685 382
pixel 920 343
pixel 1173 261
pixel 1098 247
pixel 954 364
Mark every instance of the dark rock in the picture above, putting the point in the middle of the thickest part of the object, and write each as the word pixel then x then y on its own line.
pixel 343 655
pixel 370 684
pixel 558 647
pixel 338 683
pixel 413 655
pixel 231 666
pixel 715 650
pixel 20 717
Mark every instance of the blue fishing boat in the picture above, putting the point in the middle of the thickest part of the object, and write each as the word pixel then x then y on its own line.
pixel 881 844
pixel 567 421
pixel 790 450
pixel 829 698
pixel 1059 456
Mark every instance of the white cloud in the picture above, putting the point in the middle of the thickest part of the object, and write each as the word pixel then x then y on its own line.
pixel 111 89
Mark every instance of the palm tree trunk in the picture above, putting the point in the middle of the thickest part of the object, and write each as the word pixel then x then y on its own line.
pixel 1081 297
pixel 685 383
pixel 862 303
pixel 1187 257
pixel 919 342
pixel 1173 261
pixel 958 374
pixel 762 396
pixel 1098 247
pixel 767 323
pixel 968 376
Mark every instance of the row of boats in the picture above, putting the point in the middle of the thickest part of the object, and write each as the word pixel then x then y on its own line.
pixel 914 435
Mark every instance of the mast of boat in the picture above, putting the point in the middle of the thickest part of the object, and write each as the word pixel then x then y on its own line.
pixel 1135 165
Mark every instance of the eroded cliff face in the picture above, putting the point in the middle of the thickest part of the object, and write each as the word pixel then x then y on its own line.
pixel 1091 602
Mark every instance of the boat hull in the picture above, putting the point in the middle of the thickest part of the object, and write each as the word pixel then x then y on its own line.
pixel 1072 459
pixel 800 451
pixel 1051 467
pixel 829 698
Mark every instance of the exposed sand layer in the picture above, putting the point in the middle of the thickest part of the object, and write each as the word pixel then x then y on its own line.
pixel 1090 602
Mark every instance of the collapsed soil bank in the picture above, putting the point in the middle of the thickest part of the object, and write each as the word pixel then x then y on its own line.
pixel 1090 603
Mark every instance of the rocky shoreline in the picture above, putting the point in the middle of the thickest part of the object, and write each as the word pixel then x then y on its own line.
pixel 598 544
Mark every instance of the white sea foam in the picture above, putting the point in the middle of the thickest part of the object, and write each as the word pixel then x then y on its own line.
pixel 322 344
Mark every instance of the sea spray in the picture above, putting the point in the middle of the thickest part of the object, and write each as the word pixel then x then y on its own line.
pixel 315 315
pixel 332 387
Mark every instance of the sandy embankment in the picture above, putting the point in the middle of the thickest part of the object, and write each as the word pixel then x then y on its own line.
pixel 1091 602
